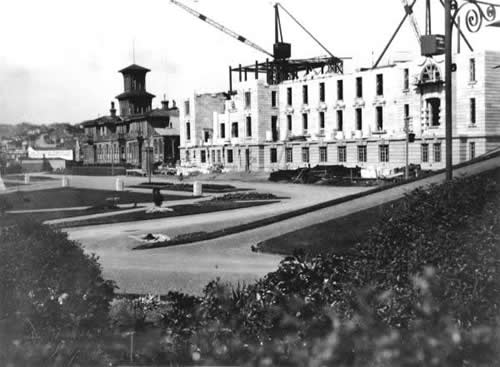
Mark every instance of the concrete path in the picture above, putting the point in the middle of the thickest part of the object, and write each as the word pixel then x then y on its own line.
pixel 190 267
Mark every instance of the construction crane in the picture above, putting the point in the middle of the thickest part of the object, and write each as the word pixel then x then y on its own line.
pixel 413 19
pixel 220 27
pixel 280 68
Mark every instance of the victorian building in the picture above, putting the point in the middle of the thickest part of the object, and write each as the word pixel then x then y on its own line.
pixel 139 135
pixel 357 119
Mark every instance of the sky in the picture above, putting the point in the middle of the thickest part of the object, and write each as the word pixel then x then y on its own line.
pixel 59 60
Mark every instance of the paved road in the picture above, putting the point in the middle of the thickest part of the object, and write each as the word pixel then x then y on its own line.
pixel 190 267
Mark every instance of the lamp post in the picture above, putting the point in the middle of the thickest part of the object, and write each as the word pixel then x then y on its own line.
pixel 477 13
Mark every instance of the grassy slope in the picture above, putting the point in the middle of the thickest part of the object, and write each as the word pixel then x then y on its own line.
pixel 338 234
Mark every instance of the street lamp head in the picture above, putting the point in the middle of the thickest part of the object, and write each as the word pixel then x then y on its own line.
pixel 494 24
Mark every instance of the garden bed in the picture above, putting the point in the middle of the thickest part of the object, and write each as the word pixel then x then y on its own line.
pixel 203 207
pixel 187 187
pixel 246 196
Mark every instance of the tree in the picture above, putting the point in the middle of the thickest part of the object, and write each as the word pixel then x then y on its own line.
pixel 54 301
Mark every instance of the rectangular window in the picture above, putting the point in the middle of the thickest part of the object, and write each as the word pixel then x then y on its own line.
pixel 406 111
pixel 274 155
pixel 473 111
pixel 340 120
pixel 362 153
pixel 342 154
pixel 213 156
pixel 305 122
pixel 203 156
pixel 274 99
pixel 384 153
pixel 234 130
pixel 305 94
pixel 406 79
pixel 206 136
pixel 323 154
pixel 472 150
pixel 380 118
pixel 188 131
pixel 249 126
pixel 289 155
pixel 359 119
pixel 187 108
pixel 223 131
pixel 219 160
pixel 229 156
pixel 289 99
pixel 274 128
pixel 322 120
pixel 424 148
pixel 380 84
pixel 322 96
pixel 289 122
pixel 340 90
pixel 437 152
pixel 472 70
pixel 188 156
pixel 359 87
pixel 248 100
pixel 305 155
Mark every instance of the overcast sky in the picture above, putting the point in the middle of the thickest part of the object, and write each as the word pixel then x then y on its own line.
pixel 59 58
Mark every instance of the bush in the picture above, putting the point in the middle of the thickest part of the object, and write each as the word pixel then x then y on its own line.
pixel 53 299
pixel 423 289
pixel 157 197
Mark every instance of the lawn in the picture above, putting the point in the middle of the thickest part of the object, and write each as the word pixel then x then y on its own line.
pixel 208 206
pixel 74 197
pixel 335 235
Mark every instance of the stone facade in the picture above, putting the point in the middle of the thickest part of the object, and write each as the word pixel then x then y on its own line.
pixel 354 119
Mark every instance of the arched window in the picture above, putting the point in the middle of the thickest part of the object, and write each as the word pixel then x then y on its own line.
pixel 430 74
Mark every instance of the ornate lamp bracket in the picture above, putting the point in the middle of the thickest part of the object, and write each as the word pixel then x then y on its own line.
pixel 477 13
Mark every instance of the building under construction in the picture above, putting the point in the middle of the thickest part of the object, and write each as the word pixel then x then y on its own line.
pixel 285 114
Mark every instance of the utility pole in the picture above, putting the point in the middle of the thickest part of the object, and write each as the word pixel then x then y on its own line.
pixel 407 143
pixel 448 88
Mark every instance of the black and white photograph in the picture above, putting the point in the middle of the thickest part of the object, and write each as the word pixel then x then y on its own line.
pixel 250 183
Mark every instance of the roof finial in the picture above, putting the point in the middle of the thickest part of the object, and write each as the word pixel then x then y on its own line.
pixel 133 50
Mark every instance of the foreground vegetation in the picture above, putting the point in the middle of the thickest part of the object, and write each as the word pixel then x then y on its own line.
pixel 421 290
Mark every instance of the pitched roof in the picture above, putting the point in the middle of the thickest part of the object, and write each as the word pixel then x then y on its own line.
pixel 104 120
pixel 134 67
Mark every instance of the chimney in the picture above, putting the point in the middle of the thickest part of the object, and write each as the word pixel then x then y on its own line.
pixel 112 111
pixel 164 105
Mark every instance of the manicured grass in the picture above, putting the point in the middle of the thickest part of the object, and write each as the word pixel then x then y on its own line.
pixel 8 219
pixel 337 235
pixel 74 197
pixel 203 207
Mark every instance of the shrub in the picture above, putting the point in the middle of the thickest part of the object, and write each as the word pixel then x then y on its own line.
pixel 422 290
pixel 53 299
pixel 157 197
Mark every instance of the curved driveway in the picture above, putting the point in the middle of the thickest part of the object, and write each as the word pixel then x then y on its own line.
pixel 190 267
